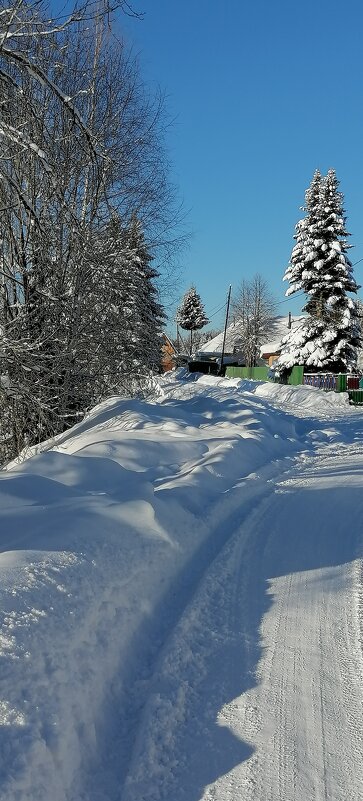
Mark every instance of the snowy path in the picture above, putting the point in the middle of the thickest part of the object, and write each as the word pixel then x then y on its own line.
pixel 147 654
pixel 181 601
pixel 259 692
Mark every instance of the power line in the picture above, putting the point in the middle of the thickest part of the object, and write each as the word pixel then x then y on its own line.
pixel 288 300
pixel 213 309
pixel 218 310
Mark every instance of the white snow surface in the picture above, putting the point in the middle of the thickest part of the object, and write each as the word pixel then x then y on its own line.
pixel 181 600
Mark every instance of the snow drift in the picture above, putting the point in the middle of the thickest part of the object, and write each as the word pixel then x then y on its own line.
pixel 103 539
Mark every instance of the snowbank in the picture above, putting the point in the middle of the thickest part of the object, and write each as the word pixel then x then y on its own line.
pixel 96 535
pixel 310 398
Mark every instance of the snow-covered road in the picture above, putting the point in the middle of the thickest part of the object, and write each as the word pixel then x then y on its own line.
pixel 183 608
pixel 259 692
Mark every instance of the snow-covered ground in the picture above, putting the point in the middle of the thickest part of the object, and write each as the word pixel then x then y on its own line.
pixel 181 601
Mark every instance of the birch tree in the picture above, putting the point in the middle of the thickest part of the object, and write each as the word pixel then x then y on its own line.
pixel 254 309
pixel 82 144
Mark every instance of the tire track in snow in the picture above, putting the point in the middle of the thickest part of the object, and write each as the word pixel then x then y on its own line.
pixel 147 652
pixel 146 781
pixel 315 703
pixel 173 726
pixel 297 722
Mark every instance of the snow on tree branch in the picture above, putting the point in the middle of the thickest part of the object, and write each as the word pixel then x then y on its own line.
pixel 320 267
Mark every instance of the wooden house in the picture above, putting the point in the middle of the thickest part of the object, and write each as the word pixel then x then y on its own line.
pixel 168 354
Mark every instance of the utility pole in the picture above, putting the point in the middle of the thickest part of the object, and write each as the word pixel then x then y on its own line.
pixel 225 329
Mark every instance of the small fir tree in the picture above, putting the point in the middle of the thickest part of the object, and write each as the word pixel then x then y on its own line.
pixel 329 337
pixel 190 314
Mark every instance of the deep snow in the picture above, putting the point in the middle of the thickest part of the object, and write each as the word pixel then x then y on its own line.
pixel 181 600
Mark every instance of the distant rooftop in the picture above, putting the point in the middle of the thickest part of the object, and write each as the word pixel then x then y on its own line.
pixel 279 329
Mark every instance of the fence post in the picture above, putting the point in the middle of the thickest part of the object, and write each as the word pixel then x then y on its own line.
pixel 341 382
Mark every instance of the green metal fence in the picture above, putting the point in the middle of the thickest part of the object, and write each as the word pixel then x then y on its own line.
pixel 356 396
pixel 296 376
pixel 254 373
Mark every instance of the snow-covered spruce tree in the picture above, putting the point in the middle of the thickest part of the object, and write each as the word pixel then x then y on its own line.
pixel 149 313
pixel 307 231
pixel 319 266
pixel 122 314
pixel 190 314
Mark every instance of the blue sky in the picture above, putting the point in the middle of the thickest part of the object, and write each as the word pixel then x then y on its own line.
pixel 262 94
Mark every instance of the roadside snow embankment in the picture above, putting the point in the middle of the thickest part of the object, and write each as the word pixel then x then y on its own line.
pixel 94 533
pixel 309 398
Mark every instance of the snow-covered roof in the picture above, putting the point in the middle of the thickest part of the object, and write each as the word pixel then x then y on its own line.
pixel 167 340
pixel 279 330
pixel 215 345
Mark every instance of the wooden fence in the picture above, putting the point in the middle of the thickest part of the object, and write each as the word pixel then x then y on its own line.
pixel 321 381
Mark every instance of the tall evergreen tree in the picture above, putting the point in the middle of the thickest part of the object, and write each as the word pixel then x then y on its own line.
pixel 319 265
pixel 190 314
pixel 306 233
pixel 123 315
pixel 149 314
